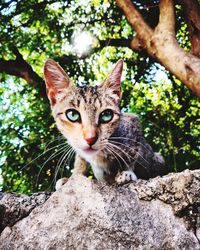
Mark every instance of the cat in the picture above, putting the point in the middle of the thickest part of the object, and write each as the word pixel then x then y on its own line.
pixel 90 119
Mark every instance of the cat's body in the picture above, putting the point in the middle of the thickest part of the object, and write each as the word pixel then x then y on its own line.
pixel 130 151
pixel 91 120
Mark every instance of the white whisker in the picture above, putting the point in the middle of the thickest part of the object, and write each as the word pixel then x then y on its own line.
pixel 115 156
pixel 49 158
pixel 137 153
pixel 46 151
pixel 129 139
pixel 62 159
pixel 112 149
pixel 58 138
pixel 67 160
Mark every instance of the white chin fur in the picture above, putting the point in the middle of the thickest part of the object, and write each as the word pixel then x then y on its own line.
pixel 87 155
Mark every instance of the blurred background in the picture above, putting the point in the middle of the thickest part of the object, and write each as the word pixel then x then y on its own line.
pixel 86 38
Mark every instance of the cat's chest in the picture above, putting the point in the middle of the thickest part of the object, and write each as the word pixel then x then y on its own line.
pixel 99 161
pixel 103 168
pixel 100 166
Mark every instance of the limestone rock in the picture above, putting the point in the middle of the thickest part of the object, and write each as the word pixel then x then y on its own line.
pixel 14 207
pixel 161 213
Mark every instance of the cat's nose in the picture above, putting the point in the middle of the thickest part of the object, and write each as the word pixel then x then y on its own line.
pixel 91 140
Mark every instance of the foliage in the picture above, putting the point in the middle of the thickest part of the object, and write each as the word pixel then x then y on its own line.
pixel 42 29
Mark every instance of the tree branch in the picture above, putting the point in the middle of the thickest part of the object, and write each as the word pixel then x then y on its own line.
pixel 20 68
pixel 115 42
pixel 135 19
pixel 137 44
pixel 192 13
pixel 167 16
pixel 162 45
pixel 121 42
pixel 168 52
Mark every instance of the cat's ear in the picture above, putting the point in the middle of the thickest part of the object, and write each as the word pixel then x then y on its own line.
pixel 56 79
pixel 113 80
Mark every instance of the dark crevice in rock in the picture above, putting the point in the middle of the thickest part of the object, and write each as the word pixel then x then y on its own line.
pixel 191 216
pixel 14 207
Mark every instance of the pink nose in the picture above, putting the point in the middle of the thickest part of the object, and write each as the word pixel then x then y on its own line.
pixel 91 140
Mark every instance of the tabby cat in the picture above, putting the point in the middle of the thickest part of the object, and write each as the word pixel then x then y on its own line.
pixel 102 136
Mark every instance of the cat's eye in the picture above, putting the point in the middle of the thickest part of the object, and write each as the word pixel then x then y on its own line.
pixel 106 116
pixel 73 115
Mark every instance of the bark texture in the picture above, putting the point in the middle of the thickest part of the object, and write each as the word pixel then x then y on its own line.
pixel 162 213
pixel 161 43
pixel 20 68
pixel 192 13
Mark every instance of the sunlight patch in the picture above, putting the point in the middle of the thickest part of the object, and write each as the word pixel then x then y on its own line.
pixel 83 42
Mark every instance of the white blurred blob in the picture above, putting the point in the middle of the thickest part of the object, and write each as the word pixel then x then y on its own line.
pixel 82 43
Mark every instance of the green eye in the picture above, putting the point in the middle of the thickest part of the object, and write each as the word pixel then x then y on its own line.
pixel 73 115
pixel 106 116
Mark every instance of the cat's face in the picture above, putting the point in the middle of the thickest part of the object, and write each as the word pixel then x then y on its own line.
pixel 87 116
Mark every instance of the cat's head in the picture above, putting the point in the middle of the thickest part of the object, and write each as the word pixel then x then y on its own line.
pixel 88 115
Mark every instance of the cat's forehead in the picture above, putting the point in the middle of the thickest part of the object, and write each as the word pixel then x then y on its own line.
pixel 87 95
pixel 89 91
pixel 89 98
pixel 85 89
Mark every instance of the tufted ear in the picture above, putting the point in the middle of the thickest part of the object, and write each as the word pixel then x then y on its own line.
pixel 113 80
pixel 55 78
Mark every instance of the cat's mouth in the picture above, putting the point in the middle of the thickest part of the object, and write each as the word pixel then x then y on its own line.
pixel 90 150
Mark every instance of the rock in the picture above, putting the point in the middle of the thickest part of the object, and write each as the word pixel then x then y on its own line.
pixel 161 213
pixel 14 207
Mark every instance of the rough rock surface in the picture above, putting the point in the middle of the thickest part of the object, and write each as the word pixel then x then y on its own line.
pixel 162 213
pixel 14 207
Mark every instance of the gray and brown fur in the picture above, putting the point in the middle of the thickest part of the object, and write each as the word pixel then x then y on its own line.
pixel 119 145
